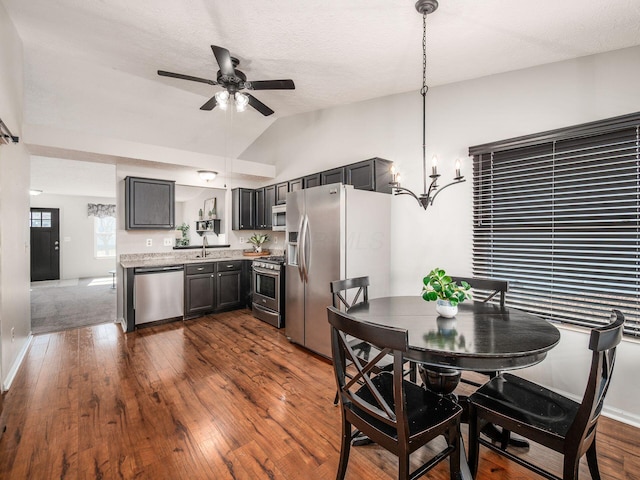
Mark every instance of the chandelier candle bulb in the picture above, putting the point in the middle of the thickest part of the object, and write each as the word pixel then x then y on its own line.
pixel 458 168
pixel 434 165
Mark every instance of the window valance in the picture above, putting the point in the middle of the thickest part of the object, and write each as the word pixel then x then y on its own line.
pixel 101 210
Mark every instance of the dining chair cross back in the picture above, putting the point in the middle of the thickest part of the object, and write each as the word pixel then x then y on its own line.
pixel 546 417
pixel 339 289
pixel 396 414
pixel 491 285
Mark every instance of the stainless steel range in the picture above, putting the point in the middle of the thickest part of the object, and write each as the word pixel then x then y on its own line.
pixel 268 290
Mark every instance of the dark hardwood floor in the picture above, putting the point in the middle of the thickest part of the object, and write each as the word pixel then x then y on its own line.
pixel 220 397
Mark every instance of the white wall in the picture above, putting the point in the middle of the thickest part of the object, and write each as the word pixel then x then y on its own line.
pixel 77 258
pixel 459 116
pixel 15 315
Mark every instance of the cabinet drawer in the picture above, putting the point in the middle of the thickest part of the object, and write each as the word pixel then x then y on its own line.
pixel 199 268
pixel 229 266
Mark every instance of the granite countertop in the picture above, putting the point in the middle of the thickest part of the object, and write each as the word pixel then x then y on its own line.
pixel 184 257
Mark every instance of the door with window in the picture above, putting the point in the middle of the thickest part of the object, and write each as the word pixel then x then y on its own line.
pixel 45 244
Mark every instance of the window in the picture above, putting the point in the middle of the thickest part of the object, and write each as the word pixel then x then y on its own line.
pixel 40 220
pixel 104 237
pixel 558 215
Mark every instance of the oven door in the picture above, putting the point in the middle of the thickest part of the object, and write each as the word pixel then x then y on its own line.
pixel 266 288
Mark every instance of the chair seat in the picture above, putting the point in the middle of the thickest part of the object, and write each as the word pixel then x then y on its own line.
pixel 425 409
pixel 526 402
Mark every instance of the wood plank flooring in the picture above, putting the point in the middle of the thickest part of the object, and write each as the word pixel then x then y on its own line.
pixel 220 397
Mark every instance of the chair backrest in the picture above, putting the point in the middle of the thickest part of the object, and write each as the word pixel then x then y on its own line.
pixel 492 285
pixel 339 291
pixel 358 390
pixel 603 343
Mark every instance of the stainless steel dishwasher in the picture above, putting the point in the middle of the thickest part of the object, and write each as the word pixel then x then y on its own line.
pixel 158 293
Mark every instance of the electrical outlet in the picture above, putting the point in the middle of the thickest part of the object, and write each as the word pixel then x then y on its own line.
pixel 275 239
pixel 241 239
pixel 168 242
pixel 13 334
pixel 149 242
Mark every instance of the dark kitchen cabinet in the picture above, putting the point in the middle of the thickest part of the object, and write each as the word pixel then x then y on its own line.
pixel 149 203
pixel 311 181
pixel 199 289
pixel 335 175
pixel 243 209
pixel 295 185
pixel 260 217
pixel 373 174
pixel 229 284
pixel 269 203
pixel 281 193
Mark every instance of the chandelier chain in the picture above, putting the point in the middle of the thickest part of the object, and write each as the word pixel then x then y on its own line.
pixel 424 55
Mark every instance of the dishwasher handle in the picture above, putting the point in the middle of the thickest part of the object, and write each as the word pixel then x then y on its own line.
pixel 169 268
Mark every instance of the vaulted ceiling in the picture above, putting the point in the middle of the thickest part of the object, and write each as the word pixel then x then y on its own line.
pixel 90 65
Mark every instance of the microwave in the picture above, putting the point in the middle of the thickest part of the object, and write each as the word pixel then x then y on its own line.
pixel 279 218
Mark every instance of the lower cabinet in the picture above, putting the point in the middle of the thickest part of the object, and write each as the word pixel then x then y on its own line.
pixel 215 286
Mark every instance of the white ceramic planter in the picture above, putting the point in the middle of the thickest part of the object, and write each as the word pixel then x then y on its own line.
pixel 445 309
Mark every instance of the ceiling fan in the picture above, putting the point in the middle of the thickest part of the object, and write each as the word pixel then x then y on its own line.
pixel 233 81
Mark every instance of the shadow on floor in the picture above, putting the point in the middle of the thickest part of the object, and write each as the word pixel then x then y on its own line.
pixel 58 305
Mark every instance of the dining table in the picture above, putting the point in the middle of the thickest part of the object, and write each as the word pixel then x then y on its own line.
pixel 482 337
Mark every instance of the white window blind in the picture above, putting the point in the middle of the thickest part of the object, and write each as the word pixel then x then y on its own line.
pixel 558 215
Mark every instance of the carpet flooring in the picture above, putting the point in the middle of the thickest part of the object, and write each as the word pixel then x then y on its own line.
pixel 59 305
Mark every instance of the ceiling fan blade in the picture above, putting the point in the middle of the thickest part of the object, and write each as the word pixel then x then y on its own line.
pixel 258 105
pixel 224 60
pixel 162 73
pixel 272 85
pixel 210 105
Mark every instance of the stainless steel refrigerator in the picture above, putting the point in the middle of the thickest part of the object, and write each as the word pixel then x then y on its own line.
pixel 332 232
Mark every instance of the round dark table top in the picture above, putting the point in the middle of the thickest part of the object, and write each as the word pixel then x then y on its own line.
pixel 481 337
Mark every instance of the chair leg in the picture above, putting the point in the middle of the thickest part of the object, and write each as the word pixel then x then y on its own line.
pixel 571 466
pixel 336 398
pixel 592 460
pixel 454 440
pixel 474 445
pixel 403 465
pixel 345 448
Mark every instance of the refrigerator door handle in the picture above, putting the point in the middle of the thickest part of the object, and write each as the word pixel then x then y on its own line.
pixel 298 248
pixel 307 241
pixel 302 248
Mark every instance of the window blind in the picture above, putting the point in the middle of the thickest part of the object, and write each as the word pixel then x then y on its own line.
pixel 557 214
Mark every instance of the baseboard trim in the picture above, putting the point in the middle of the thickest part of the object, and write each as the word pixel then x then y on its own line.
pixel 16 364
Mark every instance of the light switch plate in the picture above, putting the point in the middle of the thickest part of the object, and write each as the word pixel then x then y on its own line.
pixel 149 242
pixel 241 239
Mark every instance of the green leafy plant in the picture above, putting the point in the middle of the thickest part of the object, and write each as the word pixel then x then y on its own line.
pixel 258 239
pixel 438 285
pixel 184 241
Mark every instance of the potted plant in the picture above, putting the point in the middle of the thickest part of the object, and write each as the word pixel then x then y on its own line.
pixel 257 239
pixel 184 240
pixel 438 286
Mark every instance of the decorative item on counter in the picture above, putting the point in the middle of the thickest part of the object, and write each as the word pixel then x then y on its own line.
pixel 438 286
pixel 257 239
pixel 200 214
pixel 184 240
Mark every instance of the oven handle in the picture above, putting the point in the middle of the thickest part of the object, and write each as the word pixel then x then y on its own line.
pixel 264 271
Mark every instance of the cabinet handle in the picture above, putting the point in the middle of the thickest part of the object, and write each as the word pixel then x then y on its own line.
pixel 229 266
pixel 219 274
pixel 212 276
pixel 200 268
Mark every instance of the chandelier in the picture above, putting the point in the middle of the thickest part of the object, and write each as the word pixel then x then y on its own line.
pixel 429 194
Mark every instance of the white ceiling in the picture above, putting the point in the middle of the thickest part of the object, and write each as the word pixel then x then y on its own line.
pixel 90 65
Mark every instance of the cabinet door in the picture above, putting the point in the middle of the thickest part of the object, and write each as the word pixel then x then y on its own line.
pixel 149 203
pixel 311 180
pixel 229 290
pixel 295 185
pixel 361 175
pixel 281 193
pixel 335 175
pixel 259 209
pixel 269 201
pixel 242 205
pixel 199 294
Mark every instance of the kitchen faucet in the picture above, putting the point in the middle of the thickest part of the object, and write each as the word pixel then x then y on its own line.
pixel 205 243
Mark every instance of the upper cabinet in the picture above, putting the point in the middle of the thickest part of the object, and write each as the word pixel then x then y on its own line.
pixel 373 174
pixel 243 203
pixel 335 175
pixel 149 203
pixel 281 193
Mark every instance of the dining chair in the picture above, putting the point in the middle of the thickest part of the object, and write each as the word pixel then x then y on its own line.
pixel 494 287
pixel 545 417
pixel 395 413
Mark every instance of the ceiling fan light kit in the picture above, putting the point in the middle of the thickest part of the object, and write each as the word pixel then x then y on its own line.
pixel 233 81
pixel 428 195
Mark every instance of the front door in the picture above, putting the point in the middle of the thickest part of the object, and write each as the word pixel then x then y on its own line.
pixel 45 244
